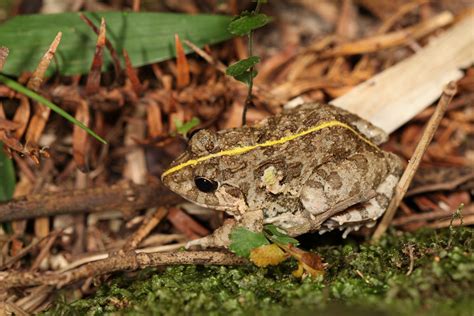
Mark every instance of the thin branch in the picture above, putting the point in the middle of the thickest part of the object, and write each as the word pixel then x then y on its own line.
pixel 130 261
pixel 123 196
pixel 402 187
pixel 148 224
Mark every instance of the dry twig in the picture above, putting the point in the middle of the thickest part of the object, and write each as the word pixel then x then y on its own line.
pixel 410 170
pixel 130 261
pixel 121 196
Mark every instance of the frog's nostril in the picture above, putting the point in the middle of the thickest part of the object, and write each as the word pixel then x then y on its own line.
pixel 206 185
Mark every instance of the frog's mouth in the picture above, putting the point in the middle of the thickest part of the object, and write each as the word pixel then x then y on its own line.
pixel 232 209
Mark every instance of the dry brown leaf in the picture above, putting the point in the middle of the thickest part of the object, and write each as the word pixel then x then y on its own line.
pixel 22 116
pixel 186 224
pixel 154 119
pixel 36 79
pixel 132 74
pixel 80 143
pixel 93 78
pixel 182 71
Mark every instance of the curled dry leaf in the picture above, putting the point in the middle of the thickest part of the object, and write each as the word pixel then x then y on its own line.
pixel 36 79
pixel 186 224
pixel 108 44
pixel 310 262
pixel 182 72
pixel 5 133
pixel 38 122
pixel 132 74
pixel 22 116
pixel 154 120
pixel 93 79
pixel 80 142
pixel 8 125
pixel 267 255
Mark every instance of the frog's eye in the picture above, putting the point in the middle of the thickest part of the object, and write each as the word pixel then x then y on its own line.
pixel 206 185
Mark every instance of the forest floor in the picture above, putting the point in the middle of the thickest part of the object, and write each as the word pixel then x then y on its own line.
pixel 426 273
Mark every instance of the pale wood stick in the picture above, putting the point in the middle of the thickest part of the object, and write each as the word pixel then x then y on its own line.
pixel 415 160
pixel 396 95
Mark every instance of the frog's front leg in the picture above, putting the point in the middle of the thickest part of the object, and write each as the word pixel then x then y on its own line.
pixel 220 238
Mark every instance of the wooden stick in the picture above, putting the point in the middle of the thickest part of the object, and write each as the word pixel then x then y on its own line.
pixel 130 261
pixel 415 160
pixel 123 196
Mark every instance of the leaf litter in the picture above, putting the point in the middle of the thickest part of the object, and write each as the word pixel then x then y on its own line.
pixel 156 107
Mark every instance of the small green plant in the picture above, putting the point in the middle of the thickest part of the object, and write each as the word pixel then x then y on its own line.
pixel 244 240
pixel 273 246
pixel 244 70
pixel 182 128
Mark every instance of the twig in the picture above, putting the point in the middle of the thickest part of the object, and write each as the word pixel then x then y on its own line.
pixel 143 231
pixel 383 41
pixel 121 196
pixel 24 251
pixel 104 255
pixel 12 309
pixel 216 63
pixel 412 259
pixel 465 221
pixel 402 187
pixel 448 185
pixel 130 261
pixel 430 216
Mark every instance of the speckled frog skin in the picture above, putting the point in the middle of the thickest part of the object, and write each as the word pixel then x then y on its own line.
pixel 313 168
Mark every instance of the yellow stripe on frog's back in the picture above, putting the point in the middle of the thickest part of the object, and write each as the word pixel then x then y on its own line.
pixel 241 150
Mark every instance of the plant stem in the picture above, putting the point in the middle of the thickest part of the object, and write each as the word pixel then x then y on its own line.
pixel 248 99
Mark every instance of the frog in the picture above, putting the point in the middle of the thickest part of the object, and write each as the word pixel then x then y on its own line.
pixel 312 168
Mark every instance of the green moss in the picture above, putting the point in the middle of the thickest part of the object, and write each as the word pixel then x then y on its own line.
pixel 362 278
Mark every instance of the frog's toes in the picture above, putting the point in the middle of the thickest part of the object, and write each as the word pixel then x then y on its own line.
pixel 202 243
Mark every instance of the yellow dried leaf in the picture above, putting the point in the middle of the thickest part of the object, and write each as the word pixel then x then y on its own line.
pixel 267 255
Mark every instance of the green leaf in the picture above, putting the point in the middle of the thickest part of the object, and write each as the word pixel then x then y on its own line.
pixel 246 77
pixel 184 128
pixel 7 176
pixel 246 23
pixel 33 95
pixel 147 37
pixel 242 66
pixel 279 237
pixel 244 240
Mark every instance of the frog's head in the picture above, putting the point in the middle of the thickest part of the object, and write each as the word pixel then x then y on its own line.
pixel 198 175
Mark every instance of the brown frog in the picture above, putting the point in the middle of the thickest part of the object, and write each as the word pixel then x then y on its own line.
pixel 312 168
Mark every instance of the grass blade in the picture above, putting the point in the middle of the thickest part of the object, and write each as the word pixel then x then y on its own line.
pixel 12 84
